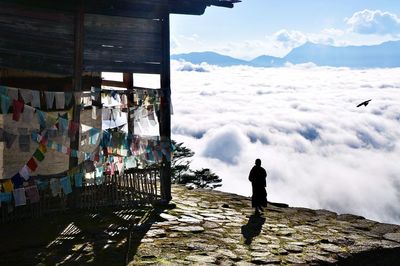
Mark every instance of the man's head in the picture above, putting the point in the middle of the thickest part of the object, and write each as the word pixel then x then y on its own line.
pixel 258 162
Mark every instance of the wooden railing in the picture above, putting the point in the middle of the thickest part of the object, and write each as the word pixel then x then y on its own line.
pixel 135 186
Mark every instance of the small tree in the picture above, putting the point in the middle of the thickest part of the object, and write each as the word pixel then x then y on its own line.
pixel 207 179
pixel 180 162
pixel 182 174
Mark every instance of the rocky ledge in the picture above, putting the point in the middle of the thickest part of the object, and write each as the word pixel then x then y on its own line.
pixel 210 227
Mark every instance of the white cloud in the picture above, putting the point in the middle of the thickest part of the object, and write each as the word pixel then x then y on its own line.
pixel 374 22
pixel 320 151
pixel 366 27
pixel 290 38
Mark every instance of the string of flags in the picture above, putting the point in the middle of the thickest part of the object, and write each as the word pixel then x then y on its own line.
pixel 118 150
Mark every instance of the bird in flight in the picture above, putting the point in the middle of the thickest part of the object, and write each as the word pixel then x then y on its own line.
pixel 365 103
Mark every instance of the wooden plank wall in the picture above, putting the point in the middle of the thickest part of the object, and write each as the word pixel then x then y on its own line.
pixel 35 40
pixel 42 40
pixel 121 44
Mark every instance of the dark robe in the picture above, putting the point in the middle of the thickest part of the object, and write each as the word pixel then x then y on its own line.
pixel 258 177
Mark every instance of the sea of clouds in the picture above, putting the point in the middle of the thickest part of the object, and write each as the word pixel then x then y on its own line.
pixel 319 149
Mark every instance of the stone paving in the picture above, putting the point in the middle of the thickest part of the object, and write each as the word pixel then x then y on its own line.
pixel 215 228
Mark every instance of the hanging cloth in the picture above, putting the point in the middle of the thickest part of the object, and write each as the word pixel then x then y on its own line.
pixel 5 104
pixel 5 197
pixel 55 187
pixel 60 100
pixel 17 180
pixel 73 129
pixel 24 172
pixel 38 155
pixel 94 113
pixel 42 185
pixel 26 95
pixel 8 186
pixel 32 164
pixel 66 185
pixel 27 115
pixel 24 143
pixel 12 93
pixel 68 98
pixel 51 121
pixel 32 194
pixel 94 135
pixel 49 99
pixel 9 138
pixel 36 99
pixel 41 119
pixel 78 179
pixel 17 110
pixel 19 197
pixel 63 126
pixel 3 90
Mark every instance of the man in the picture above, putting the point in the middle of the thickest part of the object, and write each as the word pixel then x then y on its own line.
pixel 257 178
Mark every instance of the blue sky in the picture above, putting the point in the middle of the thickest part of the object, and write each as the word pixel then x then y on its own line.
pixel 257 27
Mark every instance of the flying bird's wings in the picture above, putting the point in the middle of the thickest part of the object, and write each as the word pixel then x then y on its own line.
pixel 365 103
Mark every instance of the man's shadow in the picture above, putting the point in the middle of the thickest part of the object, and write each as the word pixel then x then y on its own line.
pixel 252 228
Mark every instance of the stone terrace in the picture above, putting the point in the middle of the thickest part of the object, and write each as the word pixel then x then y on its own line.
pixel 211 227
pixel 200 227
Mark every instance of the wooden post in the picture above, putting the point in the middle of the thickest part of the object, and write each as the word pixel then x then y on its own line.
pixel 77 87
pixel 165 110
pixel 128 81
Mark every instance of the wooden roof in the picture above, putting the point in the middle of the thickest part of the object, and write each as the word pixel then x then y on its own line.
pixel 118 35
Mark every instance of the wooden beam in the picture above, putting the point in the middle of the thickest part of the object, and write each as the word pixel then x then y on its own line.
pixel 49 83
pixel 165 110
pixel 77 81
pixel 128 81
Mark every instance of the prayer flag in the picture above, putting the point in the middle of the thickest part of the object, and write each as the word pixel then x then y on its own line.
pixel 68 98
pixel 78 179
pixel 32 194
pixel 26 95
pixel 66 185
pixel 3 90
pixel 38 155
pixel 24 172
pixel 17 110
pixel 55 187
pixel 42 148
pixel 5 104
pixel 8 186
pixel 5 196
pixel 27 115
pixel 60 100
pixel 9 139
pixel 24 143
pixel 12 93
pixel 17 180
pixel 32 164
pixel 49 99
pixel 41 118
pixel 35 99
pixel 42 185
pixel 19 197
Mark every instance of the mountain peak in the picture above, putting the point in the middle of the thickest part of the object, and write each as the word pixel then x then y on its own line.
pixel 383 55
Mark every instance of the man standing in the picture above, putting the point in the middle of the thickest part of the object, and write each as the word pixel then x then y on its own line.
pixel 257 178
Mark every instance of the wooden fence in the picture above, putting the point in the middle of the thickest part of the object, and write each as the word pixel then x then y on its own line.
pixel 133 187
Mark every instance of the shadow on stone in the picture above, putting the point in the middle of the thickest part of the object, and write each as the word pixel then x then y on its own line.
pixel 252 228
pixel 108 236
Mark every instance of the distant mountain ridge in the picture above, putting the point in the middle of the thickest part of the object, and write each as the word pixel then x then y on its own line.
pixel 383 55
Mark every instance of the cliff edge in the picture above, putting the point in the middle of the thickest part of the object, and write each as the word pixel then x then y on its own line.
pixel 199 227
pixel 211 227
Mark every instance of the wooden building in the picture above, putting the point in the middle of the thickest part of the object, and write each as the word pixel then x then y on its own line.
pixel 64 46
